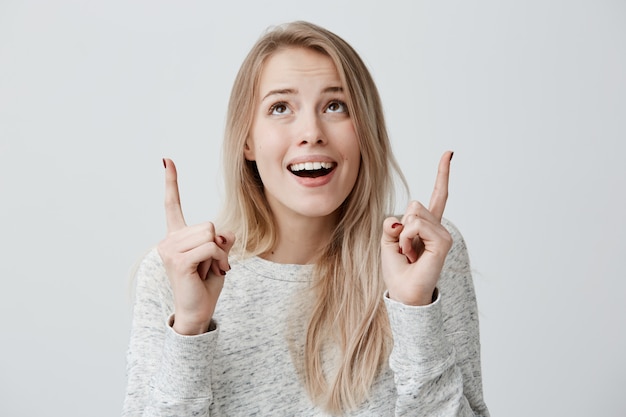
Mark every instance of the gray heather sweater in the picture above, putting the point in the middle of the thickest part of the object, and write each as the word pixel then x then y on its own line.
pixel 243 367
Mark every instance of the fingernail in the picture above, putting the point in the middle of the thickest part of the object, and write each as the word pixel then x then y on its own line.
pixel 393 226
pixel 400 251
pixel 451 155
pixel 222 239
pixel 164 164
pixel 222 272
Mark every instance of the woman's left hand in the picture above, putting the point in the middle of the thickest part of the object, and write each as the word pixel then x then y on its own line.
pixel 414 249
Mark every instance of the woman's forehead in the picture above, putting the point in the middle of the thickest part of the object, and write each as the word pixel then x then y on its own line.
pixel 296 65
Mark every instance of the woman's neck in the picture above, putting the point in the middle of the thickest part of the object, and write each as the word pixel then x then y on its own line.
pixel 300 240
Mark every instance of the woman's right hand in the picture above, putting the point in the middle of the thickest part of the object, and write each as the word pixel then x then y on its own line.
pixel 195 259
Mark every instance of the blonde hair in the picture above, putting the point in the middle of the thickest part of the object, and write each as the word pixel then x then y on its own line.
pixel 348 285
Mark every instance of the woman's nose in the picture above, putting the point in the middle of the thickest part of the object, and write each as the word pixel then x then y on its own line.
pixel 311 130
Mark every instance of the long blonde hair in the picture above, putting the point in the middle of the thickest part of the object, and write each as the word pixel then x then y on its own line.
pixel 348 285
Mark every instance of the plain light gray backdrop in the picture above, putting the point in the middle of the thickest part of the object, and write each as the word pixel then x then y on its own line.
pixel 529 94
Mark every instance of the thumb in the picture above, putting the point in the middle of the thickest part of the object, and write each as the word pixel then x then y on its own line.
pixel 391 231
pixel 225 241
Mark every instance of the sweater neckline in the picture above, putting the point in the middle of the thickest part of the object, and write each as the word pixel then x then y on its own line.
pixel 277 271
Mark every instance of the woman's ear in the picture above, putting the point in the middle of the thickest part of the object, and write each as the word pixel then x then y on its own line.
pixel 248 152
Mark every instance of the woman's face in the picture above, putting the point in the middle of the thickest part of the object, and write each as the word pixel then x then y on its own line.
pixel 302 137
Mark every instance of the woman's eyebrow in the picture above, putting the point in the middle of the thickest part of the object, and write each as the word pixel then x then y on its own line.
pixel 282 91
pixel 337 89
pixel 285 91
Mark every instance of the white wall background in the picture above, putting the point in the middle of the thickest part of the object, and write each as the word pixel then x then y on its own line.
pixel 531 95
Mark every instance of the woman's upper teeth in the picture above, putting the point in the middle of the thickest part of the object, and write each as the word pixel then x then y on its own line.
pixel 311 166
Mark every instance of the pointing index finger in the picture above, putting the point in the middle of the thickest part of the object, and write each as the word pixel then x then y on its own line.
pixel 440 193
pixel 173 211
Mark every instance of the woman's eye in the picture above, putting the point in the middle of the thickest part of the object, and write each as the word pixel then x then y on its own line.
pixel 279 108
pixel 337 106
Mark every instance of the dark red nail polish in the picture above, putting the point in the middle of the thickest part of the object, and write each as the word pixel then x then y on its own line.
pixel 451 155
pixel 393 226
pixel 222 239
pixel 164 164
pixel 222 272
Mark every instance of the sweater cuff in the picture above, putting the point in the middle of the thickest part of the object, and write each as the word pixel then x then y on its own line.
pixel 187 361
pixel 419 342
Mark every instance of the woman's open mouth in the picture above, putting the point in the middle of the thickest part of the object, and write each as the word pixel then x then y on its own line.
pixel 312 169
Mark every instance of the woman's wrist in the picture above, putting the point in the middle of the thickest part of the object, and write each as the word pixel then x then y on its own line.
pixel 419 298
pixel 185 328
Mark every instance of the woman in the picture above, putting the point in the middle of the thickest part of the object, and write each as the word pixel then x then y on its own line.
pixel 303 299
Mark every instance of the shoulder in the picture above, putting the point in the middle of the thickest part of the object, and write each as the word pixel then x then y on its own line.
pixel 456 281
pixel 150 266
pixel 150 278
pixel 457 256
pixel 456 275
pixel 454 231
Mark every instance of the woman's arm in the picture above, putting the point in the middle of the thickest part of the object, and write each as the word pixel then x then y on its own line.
pixel 168 374
pixel 169 358
pixel 432 310
pixel 436 352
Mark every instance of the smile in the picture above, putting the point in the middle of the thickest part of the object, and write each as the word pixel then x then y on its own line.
pixel 312 169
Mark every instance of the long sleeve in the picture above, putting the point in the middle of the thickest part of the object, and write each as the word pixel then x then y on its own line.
pixel 168 374
pixel 250 371
pixel 436 351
